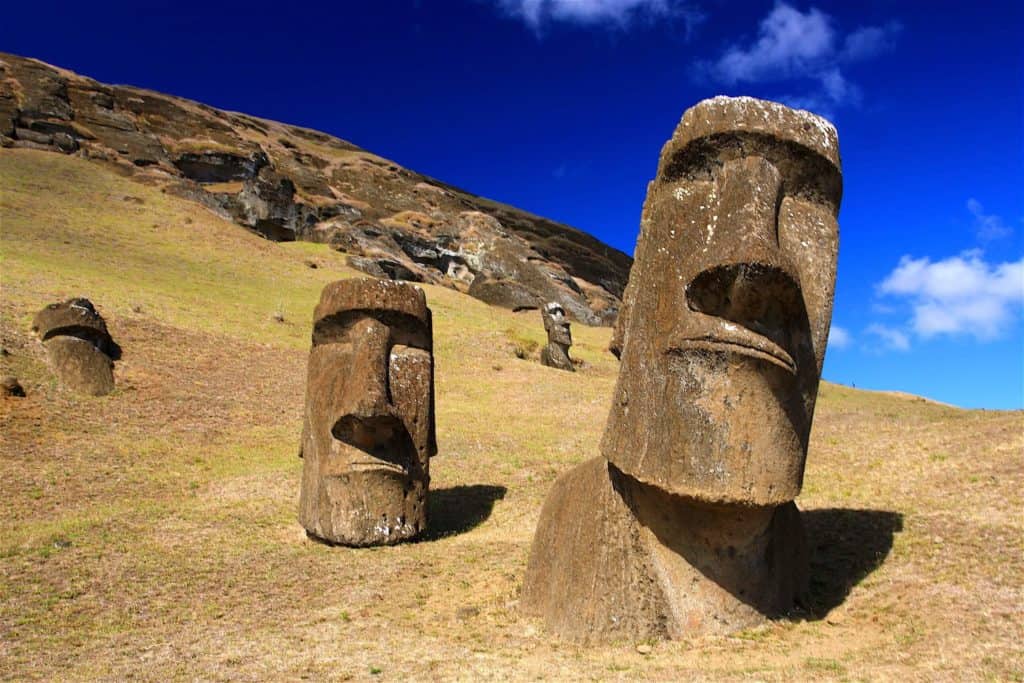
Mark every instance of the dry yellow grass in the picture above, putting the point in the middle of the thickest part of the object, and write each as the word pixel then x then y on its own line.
pixel 151 534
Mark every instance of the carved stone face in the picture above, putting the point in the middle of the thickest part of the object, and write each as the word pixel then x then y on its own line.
pixel 79 346
pixel 556 324
pixel 369 422
pixel 728 307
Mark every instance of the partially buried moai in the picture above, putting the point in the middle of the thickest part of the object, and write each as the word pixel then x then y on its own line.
pixel 78 345
pixel 556 353
pixel 686 524
pixel 368 431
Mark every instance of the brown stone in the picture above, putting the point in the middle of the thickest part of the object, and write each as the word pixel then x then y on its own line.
pixel 10 386
pixel 368 431
pixel 78 345
pixel 686 525
pixel 556 353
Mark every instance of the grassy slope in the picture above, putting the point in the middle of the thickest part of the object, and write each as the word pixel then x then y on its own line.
pixel 152 532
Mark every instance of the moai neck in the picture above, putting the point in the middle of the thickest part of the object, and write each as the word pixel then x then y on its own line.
pixel 720 567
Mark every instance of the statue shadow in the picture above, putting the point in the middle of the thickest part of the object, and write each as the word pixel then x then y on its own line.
pixel 458 509
pixel 845 546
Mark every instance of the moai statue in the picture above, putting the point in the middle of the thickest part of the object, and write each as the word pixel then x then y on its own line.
pixel 368 431
pixel 686 523
pixel 556 353
pixel 78 345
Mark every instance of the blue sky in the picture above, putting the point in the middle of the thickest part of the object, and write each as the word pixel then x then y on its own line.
pixel 561 107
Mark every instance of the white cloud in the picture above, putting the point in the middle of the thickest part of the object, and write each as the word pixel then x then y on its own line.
pixel 988 226
pixel 790 43
pixel 869 41
pixel 890 337
pixel 621 13
pixel 839 337
pixel 803 46
pixel 961 295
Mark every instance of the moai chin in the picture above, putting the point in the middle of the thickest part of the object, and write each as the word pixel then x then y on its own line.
pixel 556 353
pixel 78 345
pixel 368 431
pixel 686 524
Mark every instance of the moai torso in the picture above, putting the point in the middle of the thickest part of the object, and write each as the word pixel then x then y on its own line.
pixel 556 353
pixel 79 346
pixel 722 337
pixel 368 431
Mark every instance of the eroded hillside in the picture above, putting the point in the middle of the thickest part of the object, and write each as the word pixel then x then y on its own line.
pixel 152 533
pixel 286 183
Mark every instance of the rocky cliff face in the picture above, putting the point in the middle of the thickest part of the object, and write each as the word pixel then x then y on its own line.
pixel 290 183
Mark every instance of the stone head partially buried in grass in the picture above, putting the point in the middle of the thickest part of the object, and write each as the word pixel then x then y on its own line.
pixel 686 523
pixel 368 431
pixel 556 324
pixel 79 346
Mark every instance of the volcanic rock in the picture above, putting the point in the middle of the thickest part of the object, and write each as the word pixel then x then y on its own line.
pixel 286 182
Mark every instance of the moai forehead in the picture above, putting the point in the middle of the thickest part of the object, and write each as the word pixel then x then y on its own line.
pixel 74 317
pixel 726 314
pixel 364 294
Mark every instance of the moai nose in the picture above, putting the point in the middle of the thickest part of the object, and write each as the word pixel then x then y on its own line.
pixel 749 280
pixel 749 198
pixel 365 393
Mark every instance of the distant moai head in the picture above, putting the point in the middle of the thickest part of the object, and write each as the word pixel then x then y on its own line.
pixel 79 346
pixel 368 431
pixel 556 353
pixel 727 311
pixel 556 324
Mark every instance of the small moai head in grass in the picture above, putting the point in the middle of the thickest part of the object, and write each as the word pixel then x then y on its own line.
pixel 368 430
pixel 556 324
pixel 78 345
pixel 727 311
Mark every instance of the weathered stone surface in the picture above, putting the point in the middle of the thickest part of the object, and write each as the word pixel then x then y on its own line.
pixel 556 353
pixel 728 307
pixel 78 345
pixel 686 525
pixel 368 431
pixel 290 183
pixel 504 293
pixel 617 559
pixel 10 386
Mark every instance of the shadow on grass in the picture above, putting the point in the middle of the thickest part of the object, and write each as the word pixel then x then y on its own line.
pixel 458 509
pixel 845 546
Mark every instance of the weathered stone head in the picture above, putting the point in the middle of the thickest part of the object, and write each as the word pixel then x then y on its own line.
pixel 368 432
pixel 556 353
pixel 79 346
pixel 722 336
pixel 727 311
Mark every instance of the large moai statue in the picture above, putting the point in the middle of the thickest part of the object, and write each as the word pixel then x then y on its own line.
pixel 686 524
pixel 368 431
pixel 79 346
pixel 556 353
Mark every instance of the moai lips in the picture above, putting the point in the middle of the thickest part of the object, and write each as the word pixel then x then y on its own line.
pixel 686 523
pixel 78 345
pixel 556 353
pixel 368 432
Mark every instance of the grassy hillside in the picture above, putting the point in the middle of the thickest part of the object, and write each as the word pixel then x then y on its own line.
pixel 151 533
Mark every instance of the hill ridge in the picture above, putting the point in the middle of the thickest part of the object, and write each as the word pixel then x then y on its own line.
pixel 288 182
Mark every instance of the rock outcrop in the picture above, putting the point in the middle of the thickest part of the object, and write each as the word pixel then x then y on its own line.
pixel 78 345
pixel 288 183
pixel 686 523
pixel 368 431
